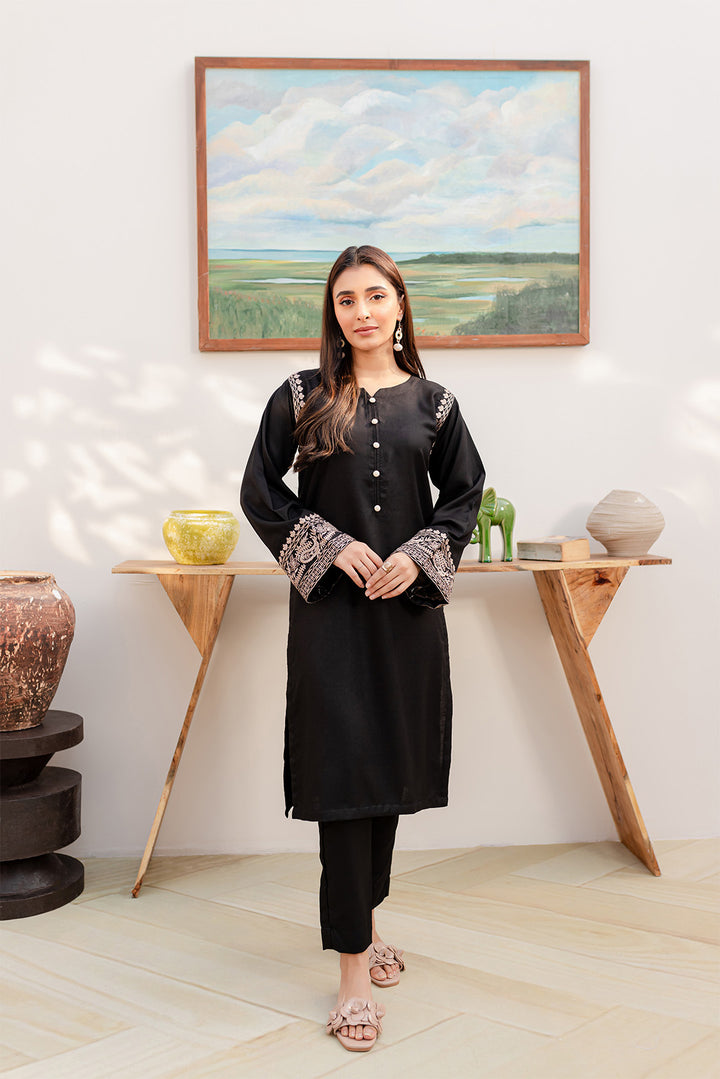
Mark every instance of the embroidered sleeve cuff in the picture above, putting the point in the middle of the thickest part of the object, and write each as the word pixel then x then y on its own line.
pixel 308 553
pixel 430 550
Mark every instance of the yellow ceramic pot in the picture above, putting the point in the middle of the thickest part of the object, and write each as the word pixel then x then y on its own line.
pixel 201 537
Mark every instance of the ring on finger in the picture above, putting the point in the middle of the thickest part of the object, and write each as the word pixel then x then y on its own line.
pixel 388 566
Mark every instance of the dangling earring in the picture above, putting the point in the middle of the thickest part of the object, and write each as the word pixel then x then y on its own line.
pixel 341 347
pixel 398 339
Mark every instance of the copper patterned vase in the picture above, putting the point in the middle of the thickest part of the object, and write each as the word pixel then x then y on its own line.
pixel 37 623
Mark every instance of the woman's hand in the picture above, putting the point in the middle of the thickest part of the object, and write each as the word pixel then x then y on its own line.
pixel 395 574
pixel 359 562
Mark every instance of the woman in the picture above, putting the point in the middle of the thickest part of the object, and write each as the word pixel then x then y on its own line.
pixel 372 562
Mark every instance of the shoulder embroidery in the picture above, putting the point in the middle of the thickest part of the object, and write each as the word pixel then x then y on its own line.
pixel 298 393
pixel 430 550
pixel 310 549
pixel 443 410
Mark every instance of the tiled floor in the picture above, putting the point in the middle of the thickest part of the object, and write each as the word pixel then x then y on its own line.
pixel 554 962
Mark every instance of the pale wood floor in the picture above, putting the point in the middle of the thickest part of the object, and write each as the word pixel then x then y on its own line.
pixel 551 962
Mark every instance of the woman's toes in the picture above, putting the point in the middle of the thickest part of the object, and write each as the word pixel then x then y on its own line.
pixel 369 1033
pixel 344 1031
pixel 379 973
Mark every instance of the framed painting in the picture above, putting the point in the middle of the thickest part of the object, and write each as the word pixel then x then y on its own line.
pixel 473 175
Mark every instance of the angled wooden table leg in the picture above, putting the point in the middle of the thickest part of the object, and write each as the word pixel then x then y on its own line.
pixel 575 602
pixel 200 600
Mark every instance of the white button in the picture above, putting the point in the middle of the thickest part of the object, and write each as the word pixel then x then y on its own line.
pixel 376 445
pixel 376 508
pixel 374 419
pixel 376 473
pixel 372 400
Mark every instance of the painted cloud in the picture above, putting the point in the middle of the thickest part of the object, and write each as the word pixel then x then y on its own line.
pixel 411 161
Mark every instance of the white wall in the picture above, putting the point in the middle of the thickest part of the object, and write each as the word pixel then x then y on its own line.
pixel 111 418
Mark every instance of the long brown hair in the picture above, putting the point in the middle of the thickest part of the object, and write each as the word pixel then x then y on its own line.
pixel 329 411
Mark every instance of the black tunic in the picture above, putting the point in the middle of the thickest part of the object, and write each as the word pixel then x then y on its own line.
pixel 369 705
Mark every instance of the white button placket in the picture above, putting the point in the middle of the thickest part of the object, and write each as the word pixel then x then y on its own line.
pixel 374 421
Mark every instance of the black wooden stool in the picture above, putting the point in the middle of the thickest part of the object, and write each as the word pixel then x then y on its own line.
pixel 39 813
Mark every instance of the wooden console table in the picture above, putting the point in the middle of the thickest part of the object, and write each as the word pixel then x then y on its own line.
pixel 575 596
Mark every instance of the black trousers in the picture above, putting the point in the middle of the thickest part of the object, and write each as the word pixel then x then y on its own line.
pixel 356 857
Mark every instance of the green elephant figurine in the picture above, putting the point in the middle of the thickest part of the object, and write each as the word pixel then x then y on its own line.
pixel 494 511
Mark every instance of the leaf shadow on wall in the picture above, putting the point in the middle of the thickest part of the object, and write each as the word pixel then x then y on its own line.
pixel 100 450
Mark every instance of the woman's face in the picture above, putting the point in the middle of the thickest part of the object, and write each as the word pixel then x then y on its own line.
pixel 367 308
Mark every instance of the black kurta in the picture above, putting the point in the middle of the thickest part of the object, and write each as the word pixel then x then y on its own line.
pixel 369 705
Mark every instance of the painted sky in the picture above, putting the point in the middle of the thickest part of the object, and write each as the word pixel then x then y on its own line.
pixel 408 161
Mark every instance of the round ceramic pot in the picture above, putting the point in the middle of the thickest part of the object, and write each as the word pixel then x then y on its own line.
pixel 201 537
pixel 626 523
pixel 37 623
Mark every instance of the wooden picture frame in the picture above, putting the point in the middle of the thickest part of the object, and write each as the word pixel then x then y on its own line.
pixel 473 175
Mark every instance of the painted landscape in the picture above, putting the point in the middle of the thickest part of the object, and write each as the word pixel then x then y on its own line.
pixel 461 294
pixel 470 179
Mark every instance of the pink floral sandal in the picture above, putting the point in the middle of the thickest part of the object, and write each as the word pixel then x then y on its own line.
pixel 354 1013
pixel 385 955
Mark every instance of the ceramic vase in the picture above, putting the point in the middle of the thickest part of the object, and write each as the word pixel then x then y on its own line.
pixel 201 537
pixel 626 523
pixel 37 623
